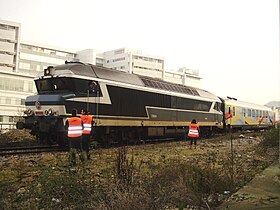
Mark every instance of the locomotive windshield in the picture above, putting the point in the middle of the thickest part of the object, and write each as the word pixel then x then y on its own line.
pixel 53 84
pixel 57 84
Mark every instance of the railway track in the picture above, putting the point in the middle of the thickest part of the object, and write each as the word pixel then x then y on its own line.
pixel 56 148
pixel 30 150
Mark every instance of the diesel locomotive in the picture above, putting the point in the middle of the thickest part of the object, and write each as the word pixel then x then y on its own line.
pixel 125 107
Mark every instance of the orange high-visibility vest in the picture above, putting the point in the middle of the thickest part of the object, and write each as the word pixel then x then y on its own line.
pixel 193 130
pixel 87 123
pixel 75 128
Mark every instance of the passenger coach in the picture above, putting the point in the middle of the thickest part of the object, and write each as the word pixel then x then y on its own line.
pixel 243 115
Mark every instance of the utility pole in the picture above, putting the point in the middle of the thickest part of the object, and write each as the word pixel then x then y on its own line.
pixel 87 100
pixel 231 151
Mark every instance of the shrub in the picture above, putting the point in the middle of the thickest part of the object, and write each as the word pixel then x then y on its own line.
pixel 271 138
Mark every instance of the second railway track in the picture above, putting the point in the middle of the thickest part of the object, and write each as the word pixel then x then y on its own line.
pixel 30 150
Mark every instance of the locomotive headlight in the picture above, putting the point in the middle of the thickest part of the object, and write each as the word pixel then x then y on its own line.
pixel 49 112
pixel 26 111
pixel 29 112
pixel 56 113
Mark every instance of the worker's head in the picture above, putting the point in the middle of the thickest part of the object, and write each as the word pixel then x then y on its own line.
pixel 84 111
pixel 194 121
pixel 74 112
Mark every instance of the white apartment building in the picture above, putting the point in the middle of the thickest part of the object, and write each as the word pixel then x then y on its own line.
pixel 35 57
pixel 19 64
pixel 183 76
pixel 13 87
pixel 9 45
pixel 91 56
pixel 134 61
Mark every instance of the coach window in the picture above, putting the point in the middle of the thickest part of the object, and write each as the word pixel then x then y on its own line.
pixel 253 113
pixel 249 112
pixel 233 111
pixel 244 112
pixel 257 113
pixel 266 114
pixel 261 113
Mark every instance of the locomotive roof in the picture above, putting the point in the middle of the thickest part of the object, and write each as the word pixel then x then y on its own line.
pixel 100 72
pixel 90 70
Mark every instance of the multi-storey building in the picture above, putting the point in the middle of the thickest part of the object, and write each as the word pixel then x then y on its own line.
pixel 134 61
pixel 90 56
pixel 12 85
pixel 36 57
pixel 19 64
pixel 183 76
pixel 9 45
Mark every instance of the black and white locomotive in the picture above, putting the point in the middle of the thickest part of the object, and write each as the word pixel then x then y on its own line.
pixel 125 107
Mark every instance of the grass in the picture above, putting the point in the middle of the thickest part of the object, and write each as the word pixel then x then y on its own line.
pixel 16 138
pixel 153 176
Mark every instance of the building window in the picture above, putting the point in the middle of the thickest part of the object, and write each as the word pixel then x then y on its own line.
pixel 119 59
pixel 30 86
pixel 11 119
pixel 63 54
pixel 24 65
pixel 8 100
pixel 119 51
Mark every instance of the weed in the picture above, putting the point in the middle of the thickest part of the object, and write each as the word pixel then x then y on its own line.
pixel 271 138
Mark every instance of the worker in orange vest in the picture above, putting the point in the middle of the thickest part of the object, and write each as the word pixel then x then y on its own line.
pixel 193 132
pixel 74 126
pixel 87 131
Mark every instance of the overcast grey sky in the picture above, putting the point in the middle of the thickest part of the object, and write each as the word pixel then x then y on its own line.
pixel 233 43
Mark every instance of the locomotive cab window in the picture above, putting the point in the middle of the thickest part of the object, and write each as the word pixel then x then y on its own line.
pixel 78 86
pixel 52 84
pixel 217 106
